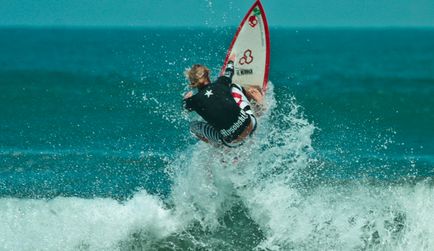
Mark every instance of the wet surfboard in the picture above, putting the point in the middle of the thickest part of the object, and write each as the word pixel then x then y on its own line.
pixel 251 47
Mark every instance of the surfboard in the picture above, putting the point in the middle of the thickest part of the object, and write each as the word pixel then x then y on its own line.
pixel 251 47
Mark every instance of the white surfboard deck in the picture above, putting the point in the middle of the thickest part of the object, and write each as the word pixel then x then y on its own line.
pixel 251 47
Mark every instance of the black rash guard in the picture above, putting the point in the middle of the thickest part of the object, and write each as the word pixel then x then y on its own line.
pixel 215 104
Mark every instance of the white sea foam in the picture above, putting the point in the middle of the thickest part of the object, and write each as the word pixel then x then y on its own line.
pixel 263 176
pixel 75 223
pixel 263 173
pixel 353 217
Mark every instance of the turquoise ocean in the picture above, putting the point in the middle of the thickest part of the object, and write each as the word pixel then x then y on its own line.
pixel 95 152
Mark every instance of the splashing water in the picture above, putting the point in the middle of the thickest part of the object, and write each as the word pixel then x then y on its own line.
pixel 82 224
pixel 269 183
pixel 265 195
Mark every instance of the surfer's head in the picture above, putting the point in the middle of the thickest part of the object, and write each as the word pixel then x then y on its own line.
pixel 198 75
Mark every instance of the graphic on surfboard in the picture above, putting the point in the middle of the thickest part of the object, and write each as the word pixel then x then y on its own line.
pixel 251 47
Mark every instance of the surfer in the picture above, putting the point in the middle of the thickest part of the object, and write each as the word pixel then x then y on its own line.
pixel 224 106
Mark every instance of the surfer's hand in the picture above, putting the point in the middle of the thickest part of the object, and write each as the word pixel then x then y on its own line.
pixel 232 57
pixel 188 94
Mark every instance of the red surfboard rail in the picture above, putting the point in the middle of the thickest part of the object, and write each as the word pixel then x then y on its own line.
pixel 267 41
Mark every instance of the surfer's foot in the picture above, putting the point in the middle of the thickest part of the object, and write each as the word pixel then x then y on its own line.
pixel 256 95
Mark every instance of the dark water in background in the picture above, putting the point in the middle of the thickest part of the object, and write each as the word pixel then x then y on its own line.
pixel 92 114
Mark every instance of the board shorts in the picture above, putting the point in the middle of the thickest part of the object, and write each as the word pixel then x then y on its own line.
pixel 206 132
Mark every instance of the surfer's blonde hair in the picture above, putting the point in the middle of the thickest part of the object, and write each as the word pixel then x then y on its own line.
pixel 198 75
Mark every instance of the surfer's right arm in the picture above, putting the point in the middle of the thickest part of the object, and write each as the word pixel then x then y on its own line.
pixel 226 78
pixel 229 71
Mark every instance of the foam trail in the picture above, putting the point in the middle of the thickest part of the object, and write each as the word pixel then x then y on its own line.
pixel 75 223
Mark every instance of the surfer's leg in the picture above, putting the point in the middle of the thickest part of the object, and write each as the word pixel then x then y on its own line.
pixel 254 122
pixel 205 132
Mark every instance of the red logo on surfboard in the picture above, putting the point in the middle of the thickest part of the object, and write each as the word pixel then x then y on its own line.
pixel 253 21
pixel 247 57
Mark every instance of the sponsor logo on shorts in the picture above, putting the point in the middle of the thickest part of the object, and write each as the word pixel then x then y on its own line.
pixel 241 119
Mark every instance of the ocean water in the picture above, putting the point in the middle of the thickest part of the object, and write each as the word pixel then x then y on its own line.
pixel 95 152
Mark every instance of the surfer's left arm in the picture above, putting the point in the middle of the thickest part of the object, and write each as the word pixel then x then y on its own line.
pixel 187 101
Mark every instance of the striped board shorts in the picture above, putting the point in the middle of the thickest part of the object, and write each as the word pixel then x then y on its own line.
pixel 207 133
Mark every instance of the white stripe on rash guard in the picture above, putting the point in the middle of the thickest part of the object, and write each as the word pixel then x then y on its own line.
pixel 241 99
